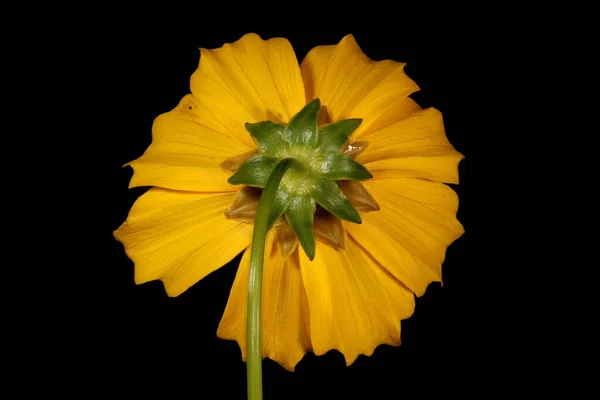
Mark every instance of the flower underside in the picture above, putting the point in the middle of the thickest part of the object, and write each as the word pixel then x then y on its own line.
pixel 320 189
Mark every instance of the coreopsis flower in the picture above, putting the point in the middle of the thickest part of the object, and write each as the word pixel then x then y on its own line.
pixel 360 225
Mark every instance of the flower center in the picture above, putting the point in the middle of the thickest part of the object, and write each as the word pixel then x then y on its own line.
pixel 318 190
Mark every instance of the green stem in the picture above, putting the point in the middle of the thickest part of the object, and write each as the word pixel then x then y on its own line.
pixel 257 256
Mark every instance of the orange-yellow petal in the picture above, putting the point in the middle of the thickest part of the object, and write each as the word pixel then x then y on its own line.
pixel 415 147
pixel 180 237
pixel 185 154
pixel 355 305
pixel 411 231
pixel 250 80
pixel 284 308
pixel 350 85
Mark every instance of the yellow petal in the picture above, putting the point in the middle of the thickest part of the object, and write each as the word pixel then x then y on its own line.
pixel 284 311
pixel 185 154
pixel 355 305
pixel 415 147
pixel 250 80
pixel 180 237
pixel 350 85
pixel 411 231
pixel 441 168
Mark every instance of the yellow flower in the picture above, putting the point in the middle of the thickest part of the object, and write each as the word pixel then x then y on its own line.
pixel 363 278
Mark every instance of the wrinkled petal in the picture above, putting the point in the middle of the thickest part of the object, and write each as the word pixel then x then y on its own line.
pixel 250 80
pixel 350 85
pixel 284 307
pixel 355 305
pixel 415 147
pixel 441 168
pixel 411 231
pixel 180 237
pixel 185 154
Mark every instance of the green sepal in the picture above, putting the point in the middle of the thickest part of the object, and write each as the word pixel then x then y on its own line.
pixel 280 205
pixel 332 137
pixel 302 128
pixel 300 214
pixel 328 195
pixel 338 166
pixel 268 136
pixel 254 172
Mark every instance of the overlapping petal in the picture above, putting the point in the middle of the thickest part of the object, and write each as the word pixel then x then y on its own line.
pixel 180 237
pixel 415 147
pixel 250 80
pixel 185 154
pixel 284 313
pixel 354 304
pixel 411 231
pixel 350 85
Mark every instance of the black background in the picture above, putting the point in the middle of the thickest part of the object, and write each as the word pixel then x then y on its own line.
pixel 149 343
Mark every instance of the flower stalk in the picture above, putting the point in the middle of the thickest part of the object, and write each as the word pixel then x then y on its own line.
pixel 262 224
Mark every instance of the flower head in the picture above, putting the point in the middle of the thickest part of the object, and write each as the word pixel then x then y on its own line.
pixel 370 176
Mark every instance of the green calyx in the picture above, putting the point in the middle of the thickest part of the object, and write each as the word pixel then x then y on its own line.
pixel 318 163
